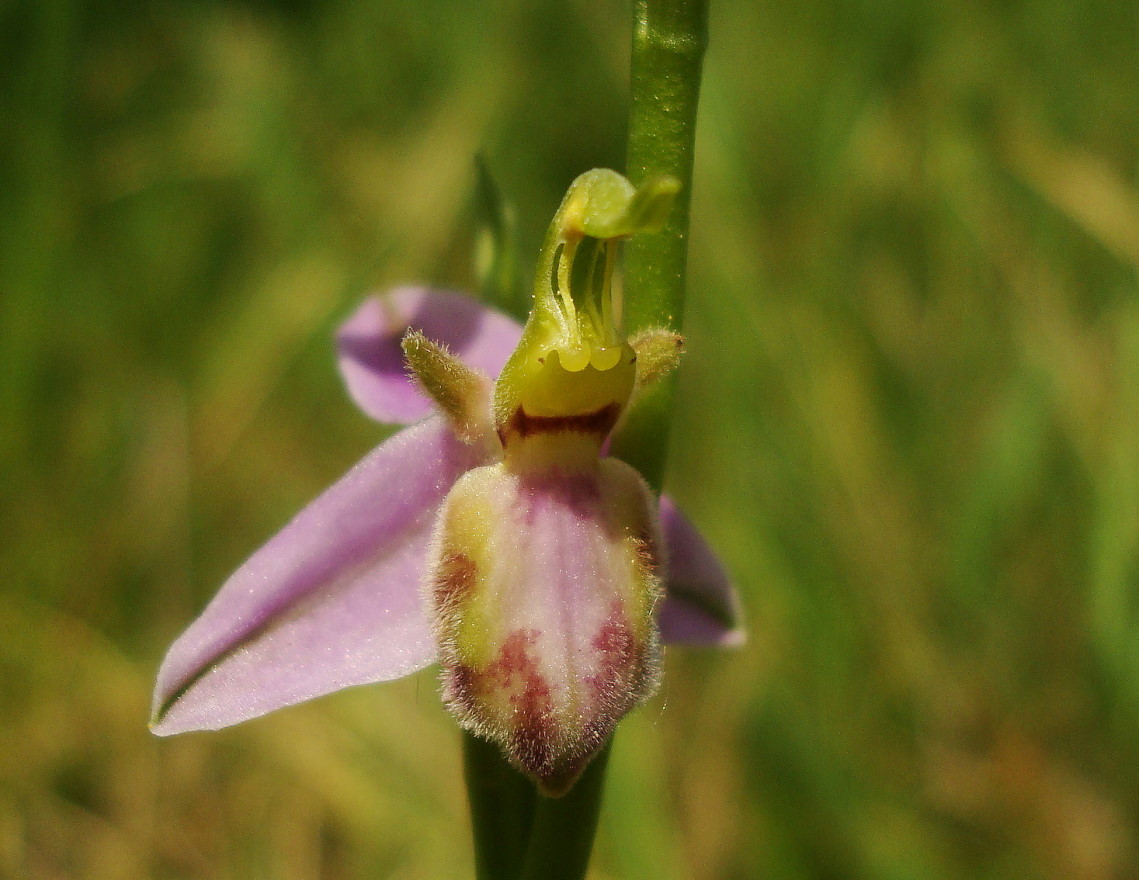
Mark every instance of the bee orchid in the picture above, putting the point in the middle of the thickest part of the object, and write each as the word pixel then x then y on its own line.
pixel 493 535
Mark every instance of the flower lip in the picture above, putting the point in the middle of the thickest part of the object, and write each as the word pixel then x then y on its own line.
pixel 545 590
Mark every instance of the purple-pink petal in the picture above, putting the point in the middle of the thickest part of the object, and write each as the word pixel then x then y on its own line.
pixel 333 600
pixel 701 606
pixel 371 360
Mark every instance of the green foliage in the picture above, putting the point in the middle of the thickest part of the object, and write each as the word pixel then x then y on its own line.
pixel 908 415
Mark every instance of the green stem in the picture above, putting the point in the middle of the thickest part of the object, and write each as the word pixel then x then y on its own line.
pixel 669 38
pixel 562 836
pixel 520 835
pixel 502 809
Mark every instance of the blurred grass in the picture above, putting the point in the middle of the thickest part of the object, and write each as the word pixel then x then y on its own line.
pixel 910 420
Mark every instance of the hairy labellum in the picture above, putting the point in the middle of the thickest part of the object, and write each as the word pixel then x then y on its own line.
pixel 545 589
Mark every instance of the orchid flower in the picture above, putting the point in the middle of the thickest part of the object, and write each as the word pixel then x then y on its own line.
pixel 492 535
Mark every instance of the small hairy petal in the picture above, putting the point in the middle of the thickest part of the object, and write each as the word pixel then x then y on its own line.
pixel 701 606
pixel 331 601
pixel 658 354
pixel 544 589
pixel 460 392
pixel 372 361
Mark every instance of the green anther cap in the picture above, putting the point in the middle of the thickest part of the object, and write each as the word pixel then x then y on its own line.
pixel 603 204
pixel 574 329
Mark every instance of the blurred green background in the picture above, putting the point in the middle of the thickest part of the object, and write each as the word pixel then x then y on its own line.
pixel 909 419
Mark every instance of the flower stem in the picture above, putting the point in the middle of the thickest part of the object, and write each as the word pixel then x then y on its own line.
pixel 669 38
pixel 520 835
pixel 562 836
pixel 502 809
